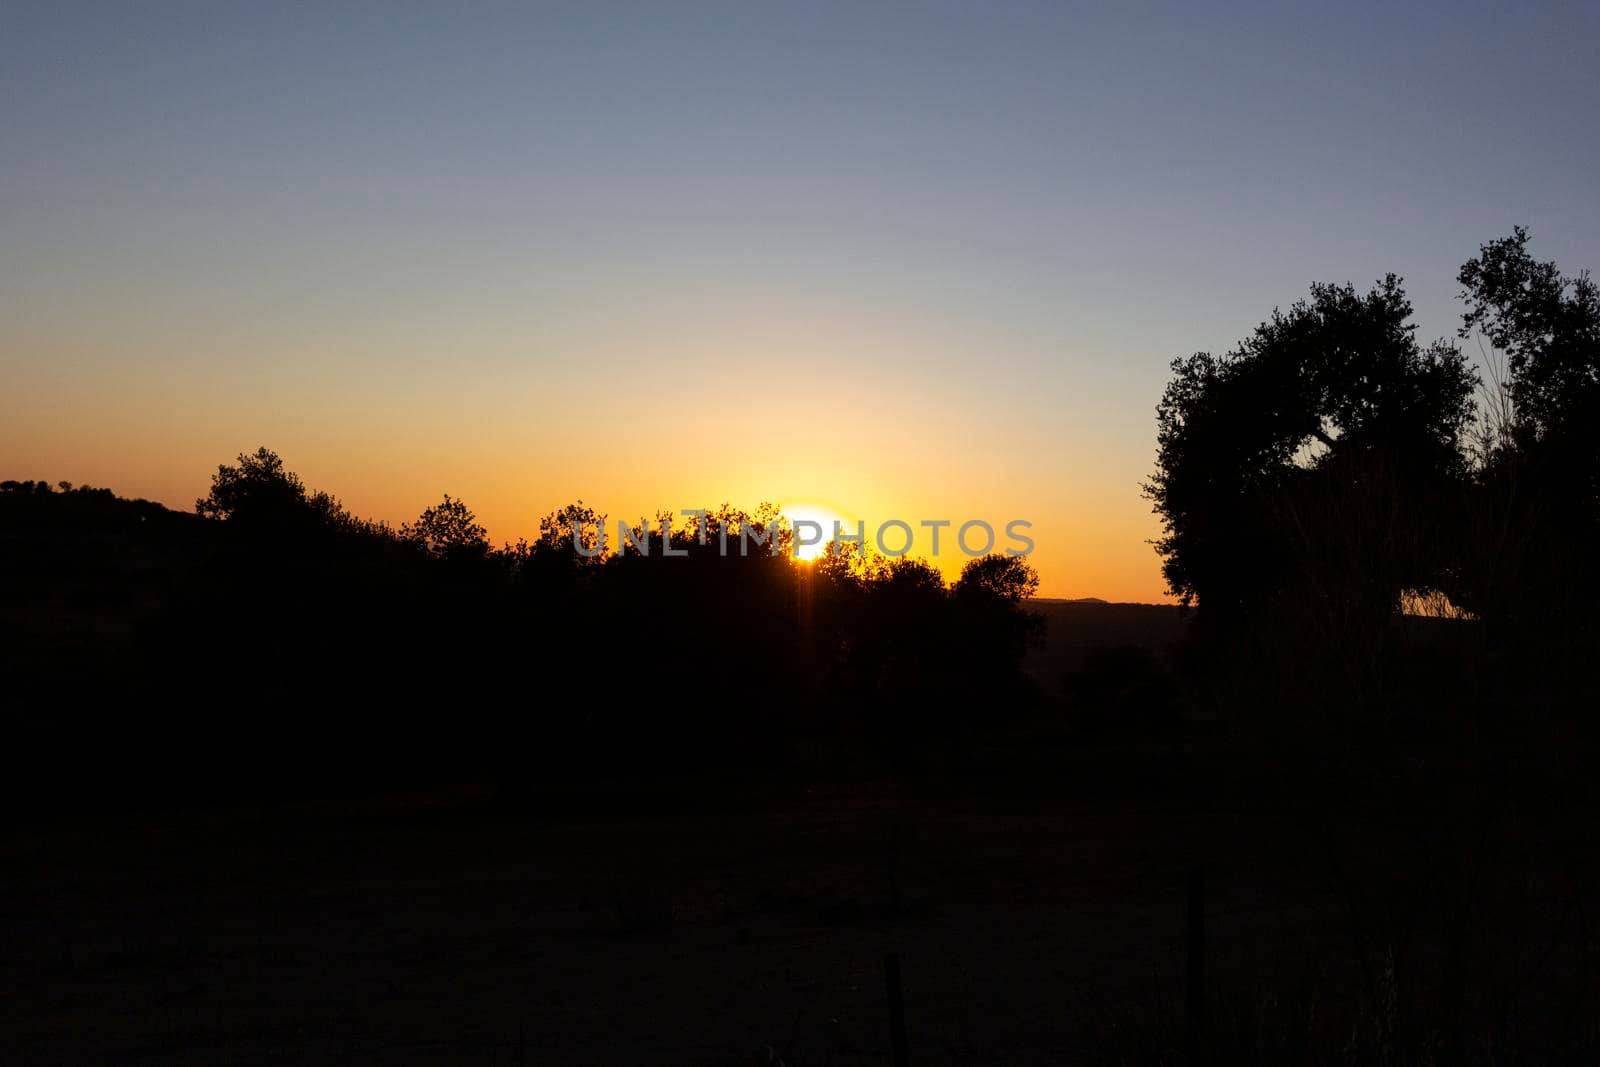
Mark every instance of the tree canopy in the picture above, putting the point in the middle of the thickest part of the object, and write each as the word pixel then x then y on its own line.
pixel 1331 390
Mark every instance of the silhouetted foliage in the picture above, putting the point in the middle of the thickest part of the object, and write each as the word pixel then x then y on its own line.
pixel 448 530
pixel 342 648
pixel 260 494
pixel 997 577
pixel 1537 506
pixel 1330 473
pixel 1548 326
pixel 994 628
pixel 1320 394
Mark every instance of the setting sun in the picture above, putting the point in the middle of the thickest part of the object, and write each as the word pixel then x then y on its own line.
pixel 824 518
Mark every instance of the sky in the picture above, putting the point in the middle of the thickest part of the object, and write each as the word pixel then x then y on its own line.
pixel 916 261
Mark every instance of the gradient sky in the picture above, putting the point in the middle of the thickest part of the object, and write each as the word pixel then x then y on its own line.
pixel 916 261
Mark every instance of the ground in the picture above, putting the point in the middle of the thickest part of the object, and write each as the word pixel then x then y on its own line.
pixel 455 928
pixel 1038 908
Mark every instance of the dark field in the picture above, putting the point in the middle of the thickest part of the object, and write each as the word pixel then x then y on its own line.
pixel 1034 891
pixel 455 929
pixel 469 925
pixel 449 929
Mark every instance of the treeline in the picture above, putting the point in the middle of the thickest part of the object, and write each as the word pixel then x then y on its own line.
pixel 272 641
pixel 1390 547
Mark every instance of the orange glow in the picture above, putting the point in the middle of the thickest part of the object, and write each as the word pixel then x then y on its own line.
pixel 517 439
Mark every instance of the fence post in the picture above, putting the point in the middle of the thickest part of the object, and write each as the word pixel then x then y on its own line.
pixel 1195 1001
pixel 897 1010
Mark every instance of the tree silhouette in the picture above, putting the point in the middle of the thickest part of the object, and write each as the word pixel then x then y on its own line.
pixel 993 626
pixel 1548 326
pixel 1008 579
pixel 261 494
pixel 260 485
pixel 1313 394
pixel 448 530
pixel 1536 508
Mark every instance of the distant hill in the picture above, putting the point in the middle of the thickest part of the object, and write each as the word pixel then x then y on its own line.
pixel 83 569
pixel 1076 628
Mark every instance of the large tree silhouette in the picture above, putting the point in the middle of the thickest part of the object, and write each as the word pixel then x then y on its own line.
pixel 1328 415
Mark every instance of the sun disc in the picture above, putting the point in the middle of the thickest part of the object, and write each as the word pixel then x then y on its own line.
pixel 823 516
